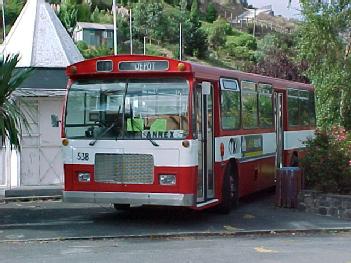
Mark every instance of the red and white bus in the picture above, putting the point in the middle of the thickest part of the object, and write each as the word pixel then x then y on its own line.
pixel 147 130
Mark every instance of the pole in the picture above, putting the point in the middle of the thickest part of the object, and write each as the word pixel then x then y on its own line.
pixel 3 19
pixel 144 45
pixel 114 28
pixel 254 24
pixel 180 41
pixel 130 31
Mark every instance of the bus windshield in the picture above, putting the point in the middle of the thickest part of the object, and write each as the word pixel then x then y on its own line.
pixel 127 109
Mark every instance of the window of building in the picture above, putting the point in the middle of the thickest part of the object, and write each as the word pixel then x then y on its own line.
pixel 249 105
pixel 230 104
pixel 265 105
pixel 107 34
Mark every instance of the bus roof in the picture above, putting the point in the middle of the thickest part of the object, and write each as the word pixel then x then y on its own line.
pixel 156 66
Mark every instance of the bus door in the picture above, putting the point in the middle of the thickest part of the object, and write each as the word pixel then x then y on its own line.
pixel 279 129
pixel 204 129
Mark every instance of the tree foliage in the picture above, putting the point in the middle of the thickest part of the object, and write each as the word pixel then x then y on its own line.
pixel 327 162
pixel 276 57
pixel 325 42
pixel 11 116
pixel 69 15
pixel 241 46
pixel 91 52
pixel 276 63
pixel 195 38
pixel 12 10
pixel 149 20
pixel 83 14
pixel 211 13
pixel 217 35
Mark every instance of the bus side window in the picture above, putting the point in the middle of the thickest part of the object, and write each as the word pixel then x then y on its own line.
pixel 301 107
pixel 293 107
pixel 230 104
pixel 249 105
pixel 304 108
pixel 265 105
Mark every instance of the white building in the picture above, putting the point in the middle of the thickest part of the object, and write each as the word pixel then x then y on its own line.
pixel 43 44
pixel 251 14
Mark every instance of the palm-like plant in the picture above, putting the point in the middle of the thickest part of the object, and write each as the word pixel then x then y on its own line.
pixel 11 117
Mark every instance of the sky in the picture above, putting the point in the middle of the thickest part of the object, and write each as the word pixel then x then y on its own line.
pixel 280 7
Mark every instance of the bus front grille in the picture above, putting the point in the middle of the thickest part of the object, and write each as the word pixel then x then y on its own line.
pixel 124 168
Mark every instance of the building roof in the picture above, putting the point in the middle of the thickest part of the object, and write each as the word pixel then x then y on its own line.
pixel 46 78
pixel 40 38
pixel 86 25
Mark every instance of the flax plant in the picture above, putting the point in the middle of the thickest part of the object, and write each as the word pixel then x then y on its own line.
pixel 11 117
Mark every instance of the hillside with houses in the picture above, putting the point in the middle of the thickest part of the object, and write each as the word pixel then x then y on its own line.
pixel 219 32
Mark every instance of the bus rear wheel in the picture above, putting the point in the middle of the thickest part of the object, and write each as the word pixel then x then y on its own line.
pixel 230 195
pixel 121 207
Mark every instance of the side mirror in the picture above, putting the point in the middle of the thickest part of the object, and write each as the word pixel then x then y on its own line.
pixel 206 88
pixel 54 120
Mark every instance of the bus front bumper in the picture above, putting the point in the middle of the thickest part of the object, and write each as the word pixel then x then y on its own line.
pixel 166 199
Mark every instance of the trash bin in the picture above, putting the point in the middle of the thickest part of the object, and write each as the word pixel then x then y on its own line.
pixel 289 183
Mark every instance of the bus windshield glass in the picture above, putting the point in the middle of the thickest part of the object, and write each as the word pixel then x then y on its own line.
pixel 127 109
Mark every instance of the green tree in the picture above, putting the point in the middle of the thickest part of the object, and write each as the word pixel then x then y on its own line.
pixel 325 42
pixel 286 43
pixel 241 46
pixel 69 15
pixel 101 16
pixel 83 14
pixel 123 28
pixel 149 20
pixel 217 35
pixel 195 38
pixel 211 13
pixel 94 17
pixel 276 56
pixel 11 116
pixel 183 5
pixel 12 10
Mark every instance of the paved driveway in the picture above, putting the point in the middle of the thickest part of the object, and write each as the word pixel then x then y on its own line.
pixel 57 220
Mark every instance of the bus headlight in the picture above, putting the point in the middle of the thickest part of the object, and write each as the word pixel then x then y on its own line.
pixel 168 179
pixel 84 177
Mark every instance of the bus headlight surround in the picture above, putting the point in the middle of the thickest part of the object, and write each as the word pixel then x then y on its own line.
pixel 167 179
pixel 84 177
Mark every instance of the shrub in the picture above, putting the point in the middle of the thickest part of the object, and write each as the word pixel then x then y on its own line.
pixel 327 161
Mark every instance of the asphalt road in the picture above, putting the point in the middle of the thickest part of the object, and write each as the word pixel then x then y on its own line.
pixel 56 220
pixel 290 249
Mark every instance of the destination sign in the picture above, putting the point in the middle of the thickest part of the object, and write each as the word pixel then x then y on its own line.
pixel 157 65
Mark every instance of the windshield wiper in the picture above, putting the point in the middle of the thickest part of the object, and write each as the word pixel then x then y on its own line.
pixel 92 143
pixel 132 124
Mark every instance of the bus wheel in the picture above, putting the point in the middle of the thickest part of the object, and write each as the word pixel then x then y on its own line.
pixel 121 207
pixel 230 195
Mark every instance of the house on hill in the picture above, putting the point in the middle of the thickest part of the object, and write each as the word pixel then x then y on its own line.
pixel 94 34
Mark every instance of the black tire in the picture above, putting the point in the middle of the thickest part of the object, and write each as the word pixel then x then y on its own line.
pixel 122 207
pixel 230 195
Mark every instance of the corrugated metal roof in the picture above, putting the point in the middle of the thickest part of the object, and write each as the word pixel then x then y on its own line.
pixel 40 38
pixel 86 25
